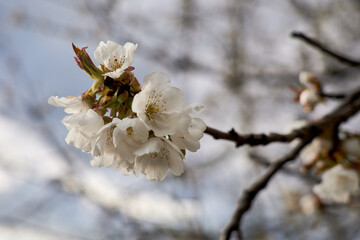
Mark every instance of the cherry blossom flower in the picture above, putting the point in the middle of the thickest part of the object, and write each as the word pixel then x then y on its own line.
pixel 309 80
pixel 128 136
pixel 114 57
pixel 149 138
pixel 309 204
pixel 82 122
pixel 189 137
pixel 351 146
pixel 156 156
pixel 112 159
pixel 104 139
pixel 105 153
pixel 337 185
pixel 308 99
pixel 82 128
pixel 158 104
pixel 319 148
pixel 71 104
pixel 310 96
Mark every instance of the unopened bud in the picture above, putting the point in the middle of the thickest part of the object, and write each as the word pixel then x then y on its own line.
pixel 309 80
pixel 308 99
pixel 84 61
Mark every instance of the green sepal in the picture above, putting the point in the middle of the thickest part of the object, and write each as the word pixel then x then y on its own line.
pixel 85 63
pixel 135 85
pixel 121 111
pixel 123 97
pixel 107 119
pixel 128 103
pixel 114 109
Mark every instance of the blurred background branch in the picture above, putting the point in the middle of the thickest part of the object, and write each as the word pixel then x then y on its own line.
pixel 232 56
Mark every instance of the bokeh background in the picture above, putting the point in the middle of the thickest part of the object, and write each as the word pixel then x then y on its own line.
pixel 235 57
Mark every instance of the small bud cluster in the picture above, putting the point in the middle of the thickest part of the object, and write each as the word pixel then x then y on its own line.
pixel 339 165
pixel 125 126
pixel 310 94
pixel 335 156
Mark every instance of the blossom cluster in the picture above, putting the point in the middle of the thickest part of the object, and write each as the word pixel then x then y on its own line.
pixel 339 165
pixel 310 94
pixel 336 156
pixel 136 129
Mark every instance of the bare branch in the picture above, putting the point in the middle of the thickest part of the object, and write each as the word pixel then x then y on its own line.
pixel 288 171
pixel 316 44
pixel 251 192
pixel 346 109
pixel 349 107
pixel 254 139
pixel 333 95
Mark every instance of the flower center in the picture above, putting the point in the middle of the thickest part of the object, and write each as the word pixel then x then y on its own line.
pixel 116 62
pixel 109 135
pixel 130 131
pixel 163 154
pixel 154 104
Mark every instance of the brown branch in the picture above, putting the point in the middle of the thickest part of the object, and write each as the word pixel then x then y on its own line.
pixel 333 95
pixel 349 107
pixel 318 45
pixel 288 171
pixel 254 139
pixel 251 192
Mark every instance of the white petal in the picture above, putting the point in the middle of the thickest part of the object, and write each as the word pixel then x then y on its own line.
pixel 97 53
pixel 197 128
pixel 151 146
pixel 114 74
pixel 162 124
pixel 156 80
pixel 139 102
pixel 174 100
pixel 71 104
pixel 176 163
pixel 191 145
pixel 130 49
pixel 76 138
pixel 154 169
pixel 194 108
pixel 106 160
pixel 337 185
pixel 92 122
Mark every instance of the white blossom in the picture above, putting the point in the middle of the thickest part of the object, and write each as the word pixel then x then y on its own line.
pixel 103 150
pixel 111 158
pixel 158 104
pixel 128 136
pixel 309 204
pixel 156 156
pixel 309 80
pixel 116 142
pixel 319 147
pixel 71 104
pixel 82 128
pixel 188 137
pixel 309 98
pixel 351 146
pixel 337 185
pixel 114 57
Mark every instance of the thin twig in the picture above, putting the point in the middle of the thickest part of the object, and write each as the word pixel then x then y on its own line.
pixel 251 192
pixel 288 171
pixel 333 95
pixel 254 139
pixel 318 45
pixel 349 107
